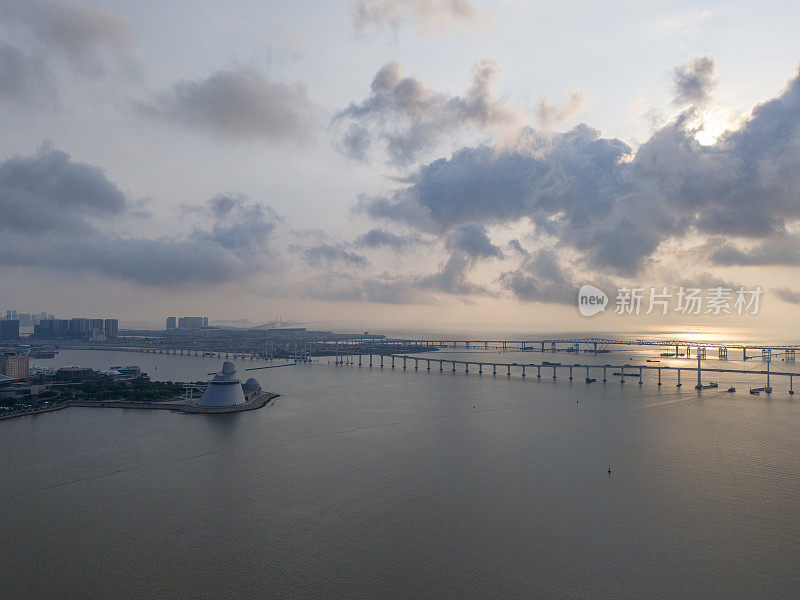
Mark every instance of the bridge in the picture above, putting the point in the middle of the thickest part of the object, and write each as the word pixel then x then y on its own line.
pixel 582 344
pixel 621 371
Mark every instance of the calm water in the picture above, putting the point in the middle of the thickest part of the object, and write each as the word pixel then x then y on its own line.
pixel 367 483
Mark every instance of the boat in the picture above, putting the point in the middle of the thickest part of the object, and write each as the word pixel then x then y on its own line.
pixel 42 354
pixel 651 360
pixel 731 389
pixel 590 380
pixel 550 364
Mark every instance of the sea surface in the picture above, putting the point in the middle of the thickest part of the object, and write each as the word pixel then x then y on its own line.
pixel 363 482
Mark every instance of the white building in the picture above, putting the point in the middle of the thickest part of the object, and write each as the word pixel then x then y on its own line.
pixel 224 389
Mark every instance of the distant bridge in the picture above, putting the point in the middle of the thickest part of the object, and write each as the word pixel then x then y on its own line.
pixel 591 345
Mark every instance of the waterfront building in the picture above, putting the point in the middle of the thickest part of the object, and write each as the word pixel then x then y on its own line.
pixel 224 389
pixel 111 328
pixel 171 322
pixel 14 365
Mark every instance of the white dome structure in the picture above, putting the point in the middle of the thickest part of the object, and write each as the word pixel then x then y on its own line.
pixel 224 389
pixel 251 385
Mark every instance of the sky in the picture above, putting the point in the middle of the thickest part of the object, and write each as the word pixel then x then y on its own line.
pixel 420 165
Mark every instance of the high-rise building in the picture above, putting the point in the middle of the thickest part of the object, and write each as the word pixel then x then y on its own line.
pixel 171 322
pixel 96 324
pixel 190 322
pixel 111 328
pixel 14 365
pixel 79 328
pixel 9 330
pixel 205 321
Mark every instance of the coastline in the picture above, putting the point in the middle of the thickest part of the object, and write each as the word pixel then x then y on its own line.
pixel 256 402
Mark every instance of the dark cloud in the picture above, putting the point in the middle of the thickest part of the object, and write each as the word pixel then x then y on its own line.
pixel 787 295
pixel 694 81
pixel 612 206
pixel 50 192
pixel 408 118
pixel 324 255
pixel 377 238
pixel 517 247
pixel 540 278
pixel 57 214
pixel 473 241
pixel 24 80
pixel 775 250
pixel 425 14
pixel 85 35
pixel 239 104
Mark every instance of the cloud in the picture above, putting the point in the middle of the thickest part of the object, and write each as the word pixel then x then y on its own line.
pixel 50 192
pixel 549 114
pixel 407 117
pixel 61 214
pixel 694 81
pixel 473 241
pixel 237 105
pixel 377 238
pixel 85 35
pixel 787 295
pixel 775 250
pixel 324 255
pixel 426 15
pixel 540 278
pixel 24 79
pixel 612 206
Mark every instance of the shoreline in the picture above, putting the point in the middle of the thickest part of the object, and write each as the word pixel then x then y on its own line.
pixel 259 401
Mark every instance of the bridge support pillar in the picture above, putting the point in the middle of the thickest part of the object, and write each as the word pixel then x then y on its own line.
pixel 509 371
pixel 494 369
pixel 766 354
pixel 604 374
pixel 454 367
pixel 381 361
pixel 429 365
pixel 722 353
pixel 416 364
pixel 441 366
pixel 659 377
pixel 570 373
pixel 554 372
pixel 640 376
pixel 679 384
pixel 393 362
pixel 523 371
pixel 480 368
pixel 790 354
pixel 466 367
pixel 538 372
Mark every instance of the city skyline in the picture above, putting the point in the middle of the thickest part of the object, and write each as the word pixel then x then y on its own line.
pixel 318 164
